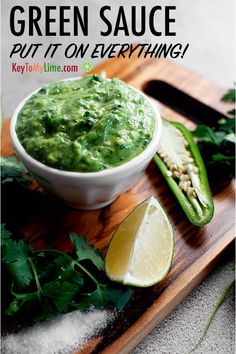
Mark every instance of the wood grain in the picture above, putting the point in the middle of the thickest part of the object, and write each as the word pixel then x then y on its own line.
pixel 47 222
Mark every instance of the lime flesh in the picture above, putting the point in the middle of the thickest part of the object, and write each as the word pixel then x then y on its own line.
pixel 141 250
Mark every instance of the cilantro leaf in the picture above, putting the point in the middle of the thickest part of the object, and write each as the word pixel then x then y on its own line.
pixel 120 295
pixel 98 298
pixel 15 258
pixel 206 134
pixel 85 251
pixel 227 125
pixel 5 234
pixel 229 96
pixel 105 294
pixel 60 294
pixel 13 171
pixel 232 112
pixel 68 272
pixel 217 147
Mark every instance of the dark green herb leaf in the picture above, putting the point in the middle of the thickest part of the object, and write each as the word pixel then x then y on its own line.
pixel 68 272
pixel 120 296
pixel 232 112
pixel 61 294
pixel 55 282
pixel 5 234
pixel 227 125
pixel 205 133
pixel 15 257
pixel 13 171
pixel 98 298
pixel 85 251
pixel 217 146
pixel 229 96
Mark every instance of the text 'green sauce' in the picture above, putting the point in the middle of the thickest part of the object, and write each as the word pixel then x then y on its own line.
pixel 85 125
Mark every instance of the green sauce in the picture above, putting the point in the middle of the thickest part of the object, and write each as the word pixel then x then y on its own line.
pixel 85 125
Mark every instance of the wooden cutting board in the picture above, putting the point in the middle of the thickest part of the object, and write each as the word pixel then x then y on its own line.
pixel 183 96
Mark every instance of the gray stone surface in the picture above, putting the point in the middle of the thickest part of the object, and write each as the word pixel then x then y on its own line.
pixel 181 330
pixel 209 28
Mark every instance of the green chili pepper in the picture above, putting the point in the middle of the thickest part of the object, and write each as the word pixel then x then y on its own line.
pixel 181 164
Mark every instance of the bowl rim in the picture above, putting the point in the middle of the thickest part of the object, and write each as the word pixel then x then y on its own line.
pixel 149 150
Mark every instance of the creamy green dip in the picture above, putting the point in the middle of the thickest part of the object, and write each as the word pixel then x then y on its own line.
pixel 85 125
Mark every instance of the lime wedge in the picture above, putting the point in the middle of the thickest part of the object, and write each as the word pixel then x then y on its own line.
pixel 141 250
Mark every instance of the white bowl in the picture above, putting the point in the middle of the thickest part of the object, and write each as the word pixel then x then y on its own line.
pixel 87 190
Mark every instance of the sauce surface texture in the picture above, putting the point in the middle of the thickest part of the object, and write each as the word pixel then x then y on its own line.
pixel 85 125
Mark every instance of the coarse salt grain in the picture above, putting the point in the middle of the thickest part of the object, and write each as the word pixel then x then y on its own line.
pixel 60 335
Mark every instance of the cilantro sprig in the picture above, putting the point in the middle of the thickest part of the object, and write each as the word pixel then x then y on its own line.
pixel 49 282
pixel 217 145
